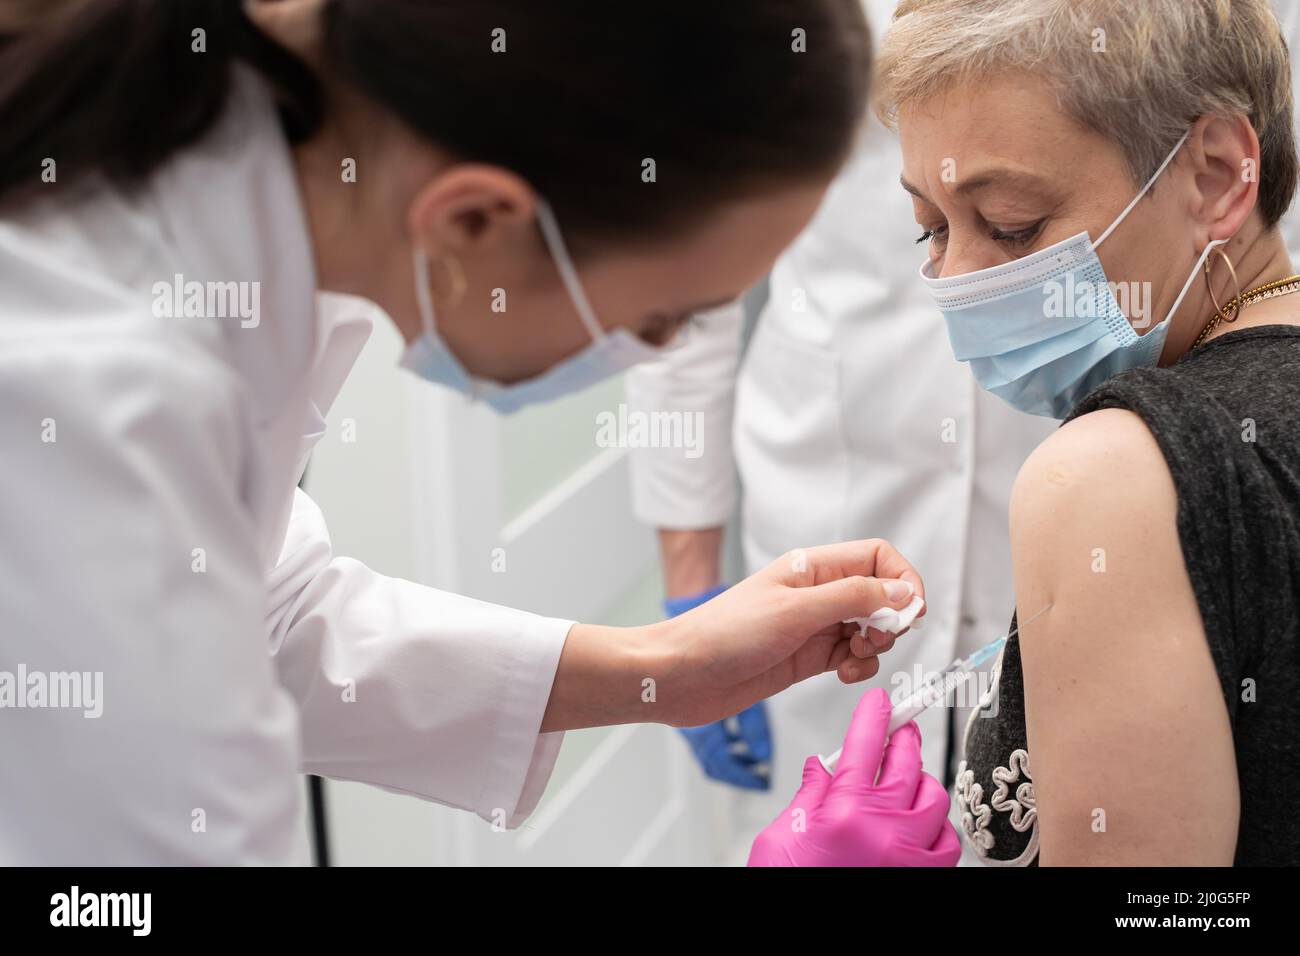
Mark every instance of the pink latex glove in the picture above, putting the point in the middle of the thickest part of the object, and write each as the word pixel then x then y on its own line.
pixel 855 819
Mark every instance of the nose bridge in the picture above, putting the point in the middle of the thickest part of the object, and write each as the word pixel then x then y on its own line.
pixel 968 252
pixel 968 248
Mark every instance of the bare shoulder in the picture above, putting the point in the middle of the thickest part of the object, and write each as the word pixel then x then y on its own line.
pixel 1111 448
pixel 1094 527
pixel 1101 472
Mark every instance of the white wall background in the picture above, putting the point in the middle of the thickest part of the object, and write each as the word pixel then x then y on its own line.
pixel 629 795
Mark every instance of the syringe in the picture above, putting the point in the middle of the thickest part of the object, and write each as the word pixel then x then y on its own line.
pixel 936 690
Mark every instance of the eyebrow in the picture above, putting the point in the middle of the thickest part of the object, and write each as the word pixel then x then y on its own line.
pixel 912 189
pixel 976 183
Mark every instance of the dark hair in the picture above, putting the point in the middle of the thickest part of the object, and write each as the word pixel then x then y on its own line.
pixel 716 93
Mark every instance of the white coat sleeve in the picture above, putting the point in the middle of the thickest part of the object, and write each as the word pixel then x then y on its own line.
pixel 128 561
pixel 691 484
pixel 411 688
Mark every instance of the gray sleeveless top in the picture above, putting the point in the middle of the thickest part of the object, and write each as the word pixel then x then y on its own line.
pixel 1227 419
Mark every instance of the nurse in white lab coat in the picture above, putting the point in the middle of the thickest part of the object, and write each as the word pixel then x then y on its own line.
pixel 176 188
pixel 850 414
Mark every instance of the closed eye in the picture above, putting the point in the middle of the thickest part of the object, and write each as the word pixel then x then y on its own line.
pixel 1018 237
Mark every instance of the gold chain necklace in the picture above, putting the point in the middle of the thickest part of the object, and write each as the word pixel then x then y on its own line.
pixel 1270 291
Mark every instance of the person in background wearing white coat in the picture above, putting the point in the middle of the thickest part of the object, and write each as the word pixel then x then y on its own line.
pixel 850 416
pixel 178 182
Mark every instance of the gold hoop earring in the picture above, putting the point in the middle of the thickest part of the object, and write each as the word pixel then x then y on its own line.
pixel 455 277
pixel 1236 304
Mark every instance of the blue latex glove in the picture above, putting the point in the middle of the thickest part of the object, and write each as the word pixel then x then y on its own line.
pixel 737 750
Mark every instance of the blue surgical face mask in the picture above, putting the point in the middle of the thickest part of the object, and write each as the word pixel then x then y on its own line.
pixel 1043 331
pixel 608 353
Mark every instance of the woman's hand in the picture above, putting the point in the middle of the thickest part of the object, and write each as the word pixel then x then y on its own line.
pixel 778 627
pixel 879 809
pixel 775 628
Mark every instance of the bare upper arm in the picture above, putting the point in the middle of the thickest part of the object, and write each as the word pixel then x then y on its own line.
pixel 1130 746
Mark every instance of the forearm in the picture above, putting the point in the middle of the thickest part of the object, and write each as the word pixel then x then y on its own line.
pixel 778 626
pixel 606 676
pixel 692 560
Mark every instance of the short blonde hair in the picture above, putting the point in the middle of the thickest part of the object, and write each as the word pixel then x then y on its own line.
pixel 1139 72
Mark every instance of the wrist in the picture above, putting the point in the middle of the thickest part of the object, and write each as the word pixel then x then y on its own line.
pixel 610 675
pixel 654 654
pixel 675 606
pixel 660 659
pixel 691 560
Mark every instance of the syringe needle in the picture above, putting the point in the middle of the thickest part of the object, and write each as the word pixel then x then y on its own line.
pixel 939 687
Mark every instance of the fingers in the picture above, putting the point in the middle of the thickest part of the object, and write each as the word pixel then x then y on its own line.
pixel 813 789
pixel 864 744
pixel 827 604
pixel 932 803
pixel 947 849
pixel 871 558
pixel 900 768
pixel 880 641
pixel 839 653
pixel 715 750
pixel 852 669
pixel 870 643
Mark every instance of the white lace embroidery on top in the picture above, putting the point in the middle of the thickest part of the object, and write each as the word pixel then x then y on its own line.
pixel 1024 813
pixel 976 814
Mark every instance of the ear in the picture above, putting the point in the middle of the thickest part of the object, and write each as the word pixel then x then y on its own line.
pixel 472 207
pixel 1225 157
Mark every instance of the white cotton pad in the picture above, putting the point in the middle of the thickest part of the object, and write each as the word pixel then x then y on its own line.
pixel 889 620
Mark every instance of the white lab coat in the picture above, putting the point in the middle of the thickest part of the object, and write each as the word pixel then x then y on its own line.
pixel 151 530
pixel 852 419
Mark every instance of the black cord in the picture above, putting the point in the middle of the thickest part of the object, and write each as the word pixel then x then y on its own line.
pixel 320 844
pixel 950 750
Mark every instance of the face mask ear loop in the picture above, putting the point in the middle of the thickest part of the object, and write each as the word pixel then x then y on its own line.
pixel 568 274
pixel 423 297
pixel 1145 189
pixel 1192 278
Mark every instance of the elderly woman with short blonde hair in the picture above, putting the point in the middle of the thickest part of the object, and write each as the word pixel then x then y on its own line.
pixel 1099 184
